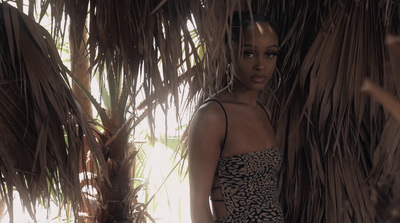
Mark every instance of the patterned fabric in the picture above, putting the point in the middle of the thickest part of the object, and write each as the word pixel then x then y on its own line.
pixel 248 184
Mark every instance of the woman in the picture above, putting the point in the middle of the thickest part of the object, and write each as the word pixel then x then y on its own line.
pixel 233 153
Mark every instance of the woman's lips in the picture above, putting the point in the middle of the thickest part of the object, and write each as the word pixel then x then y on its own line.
pixel 259 78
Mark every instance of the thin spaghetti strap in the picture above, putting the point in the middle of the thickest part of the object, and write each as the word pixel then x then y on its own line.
pixel 226 120
pixel 265 111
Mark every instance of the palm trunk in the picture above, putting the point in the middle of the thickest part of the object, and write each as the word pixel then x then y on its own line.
pixel 111 202
pixel 80 68
pixel 80 71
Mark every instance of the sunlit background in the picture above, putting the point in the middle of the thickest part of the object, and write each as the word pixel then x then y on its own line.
pixel 159 166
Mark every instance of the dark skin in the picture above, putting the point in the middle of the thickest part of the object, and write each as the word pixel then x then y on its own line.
pixel 249 129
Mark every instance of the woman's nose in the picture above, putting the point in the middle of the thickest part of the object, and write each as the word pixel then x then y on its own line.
pixel 259 65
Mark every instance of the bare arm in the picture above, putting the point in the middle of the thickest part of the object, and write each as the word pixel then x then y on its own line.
pixel 205 135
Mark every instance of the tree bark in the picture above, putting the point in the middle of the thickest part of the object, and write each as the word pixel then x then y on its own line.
pixel 80 71
pixel 80 68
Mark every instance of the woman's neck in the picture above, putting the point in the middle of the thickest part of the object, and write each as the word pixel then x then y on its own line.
pixel 245 96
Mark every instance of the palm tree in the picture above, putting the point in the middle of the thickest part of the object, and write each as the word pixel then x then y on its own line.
pixel 122 51
pixel 336 140
pixel 42 126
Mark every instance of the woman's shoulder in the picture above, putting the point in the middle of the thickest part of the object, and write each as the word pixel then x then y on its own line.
pixel 212 110
pixel 209 122
pixel 211 107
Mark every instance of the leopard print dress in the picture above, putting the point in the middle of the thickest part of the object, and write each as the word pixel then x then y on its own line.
pixel 248 184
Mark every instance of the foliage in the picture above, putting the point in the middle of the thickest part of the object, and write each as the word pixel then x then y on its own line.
pixel 336 141
pixel 42 126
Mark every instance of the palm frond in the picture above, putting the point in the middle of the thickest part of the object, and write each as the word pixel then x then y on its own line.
pixel 335 139
pixel 331 164
pixel 42 126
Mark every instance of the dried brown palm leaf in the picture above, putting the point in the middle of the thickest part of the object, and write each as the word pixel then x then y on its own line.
pixel 329 165
pixel 42 126
pixel 387 172
pixel 329 130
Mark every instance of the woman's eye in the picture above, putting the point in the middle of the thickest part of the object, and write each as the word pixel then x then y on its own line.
pixel 271 54
pixel 248 53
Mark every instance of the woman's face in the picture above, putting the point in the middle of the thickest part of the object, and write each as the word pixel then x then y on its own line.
pixel 256 60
